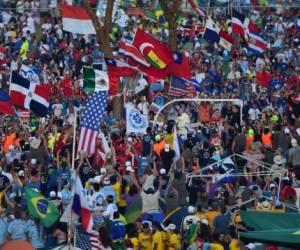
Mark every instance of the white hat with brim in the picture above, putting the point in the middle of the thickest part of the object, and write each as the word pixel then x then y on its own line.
pixel 171 227
pixel 251 246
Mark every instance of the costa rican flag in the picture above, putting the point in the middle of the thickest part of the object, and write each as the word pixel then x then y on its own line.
pixel 29 95
pixel 81 208
pixel 256 43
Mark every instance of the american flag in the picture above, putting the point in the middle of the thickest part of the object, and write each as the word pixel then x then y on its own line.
pixel 93 113
pixel 87 241
pixel 179 87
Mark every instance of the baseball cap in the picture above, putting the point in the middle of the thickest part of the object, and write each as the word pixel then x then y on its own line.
pixel 106 181
pixel 163 171
pixel 33 161
pixel 171 226
pixel 103 171
pixel 129 169
pixel 52 194
pixel 251 246
pixel 204 221
pixel 167 148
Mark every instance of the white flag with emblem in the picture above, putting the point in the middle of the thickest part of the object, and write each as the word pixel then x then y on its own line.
pixel 29 74
pixel 135 121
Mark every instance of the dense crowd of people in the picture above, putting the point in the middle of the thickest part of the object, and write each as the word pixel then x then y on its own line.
pixel 263 147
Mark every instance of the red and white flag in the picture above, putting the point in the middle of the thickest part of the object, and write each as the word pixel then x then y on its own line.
pixel 81 207
pixel 131 51
pixel 76 20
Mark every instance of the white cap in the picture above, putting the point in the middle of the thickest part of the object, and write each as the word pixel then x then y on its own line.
pixel 33 161
pixel 171 226
pixel 129 169
pixel 103 171
pixel 251 246
pixel 97 179
pixel 298 131
pixel 21 173
pixel 106 181
pixel 52 194
pixel 191 209
pixel 294 142
pixel 204 221
pixel 272 185
pixel 163 171
pixel 128 164
pixel 167 148
pixel 129 139
pixel 12 195
pixel 286 130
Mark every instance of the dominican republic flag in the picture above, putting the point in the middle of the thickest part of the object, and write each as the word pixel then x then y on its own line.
pixel 213 33
pixel 28 95
pixel 129 50
pixel 76 20
pixel 241 24
pixel 257 43
pixel 120 69
pixel 81 208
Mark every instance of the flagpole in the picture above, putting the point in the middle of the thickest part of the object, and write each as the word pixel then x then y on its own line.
pixel 73 167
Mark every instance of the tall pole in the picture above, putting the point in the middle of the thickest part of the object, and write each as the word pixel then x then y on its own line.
pixel 73 167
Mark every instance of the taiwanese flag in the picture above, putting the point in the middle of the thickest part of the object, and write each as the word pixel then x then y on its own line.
pixel 158 54
pixel 120 69
pixel 5 104
pixel 263 78
pixel 180 67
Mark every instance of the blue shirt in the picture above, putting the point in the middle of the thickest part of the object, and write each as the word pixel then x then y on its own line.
pixel 3 228
pixel 18 229
pixel 33 235
pixel 142 163
pixel 64 174
pixel 108 190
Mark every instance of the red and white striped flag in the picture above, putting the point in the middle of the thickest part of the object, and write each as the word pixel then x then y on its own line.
pixel 76 20
pixel 130 50
pixel 94 111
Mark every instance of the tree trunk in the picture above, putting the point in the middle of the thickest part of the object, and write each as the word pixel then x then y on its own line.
pixel 171 10
pixel 102 33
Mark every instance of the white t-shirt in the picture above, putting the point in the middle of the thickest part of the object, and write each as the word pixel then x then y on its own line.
pixel 253 114
pixel 150 202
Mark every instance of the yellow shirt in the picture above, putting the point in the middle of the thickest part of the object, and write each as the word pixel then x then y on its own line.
pixel 24 50
pixel 210 216
pixel 158 239
pixel 117 188
pixel 135 242
pixel 216 246
pixel 174 241
pixel 169 138
pixel 234 245
pixel 145 241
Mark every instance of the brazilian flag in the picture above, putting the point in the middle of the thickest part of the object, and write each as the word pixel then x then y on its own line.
pixel 41 208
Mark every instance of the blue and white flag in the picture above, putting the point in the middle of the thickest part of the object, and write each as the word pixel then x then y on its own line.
pixel 135 121
pixel 298 24
pixel 28 73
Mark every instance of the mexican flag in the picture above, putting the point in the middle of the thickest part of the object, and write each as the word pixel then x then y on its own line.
pixel 95 80
pixel 41 208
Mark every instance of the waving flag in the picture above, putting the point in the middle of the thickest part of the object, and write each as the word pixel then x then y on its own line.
pixel 131 51
pixel 158 54
pixel 95 80
pixel 5 104
pixel 81 207
pixel 179 87
pixel 241 24
pixel 196 8
pixel 135 121
pixel 257 43
pixel 94 111
pixel 29 74
pixel 180 67
pixel 41 208
pixel 76 20
pixel 120 69
pixel 29 95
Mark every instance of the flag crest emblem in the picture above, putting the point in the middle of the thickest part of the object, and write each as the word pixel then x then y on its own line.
pixel 137 120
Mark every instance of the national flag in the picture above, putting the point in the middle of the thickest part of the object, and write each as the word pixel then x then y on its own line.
pixel 5 104
pixel 95 80
pixel 41 208
pixel 179 87
pixel 257 43
pixel 81 207
pixel 29 73
pixel 158 54
pixel 196 8
pixel 66 85
pixel 87 241
pixel 93 113
pixel 191 233
pixel 213 33
pixel 23 114
pixel 76 20
pixel 157 86
pixel 180 67
pixel 29 95
pixel 131 51
pixel 120 69
pixel 156 13
pixel 195 83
